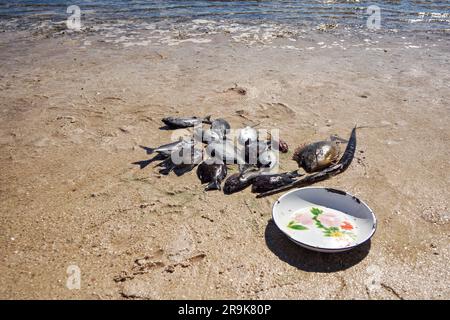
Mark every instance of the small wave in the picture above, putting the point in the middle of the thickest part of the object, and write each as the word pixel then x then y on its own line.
pixel 394 14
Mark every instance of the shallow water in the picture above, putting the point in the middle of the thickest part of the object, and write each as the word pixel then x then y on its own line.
pixel 403 15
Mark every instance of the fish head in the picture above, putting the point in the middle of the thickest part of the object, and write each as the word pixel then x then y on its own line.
pixel 235 183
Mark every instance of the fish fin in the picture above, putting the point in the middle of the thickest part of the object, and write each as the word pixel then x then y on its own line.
pixel 167 166
pixel 215 185
pixel 148 149
pixel 244 168
pixel 207 119
pixel 165 171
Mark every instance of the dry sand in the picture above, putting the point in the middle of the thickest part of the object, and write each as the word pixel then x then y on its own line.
pixel 74 111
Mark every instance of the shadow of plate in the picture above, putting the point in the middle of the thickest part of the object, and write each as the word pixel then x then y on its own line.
pixel 308 260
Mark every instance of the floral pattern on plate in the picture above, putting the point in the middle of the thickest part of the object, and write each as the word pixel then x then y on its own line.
pixel 331 224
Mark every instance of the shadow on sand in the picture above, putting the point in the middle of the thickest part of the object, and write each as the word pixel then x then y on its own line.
pixel 308 260
pixel 166 164
pixel 144 163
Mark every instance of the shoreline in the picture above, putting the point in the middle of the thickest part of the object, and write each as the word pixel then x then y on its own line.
pixel 73 117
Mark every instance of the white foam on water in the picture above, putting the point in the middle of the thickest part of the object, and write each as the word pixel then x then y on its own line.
pixel 202 21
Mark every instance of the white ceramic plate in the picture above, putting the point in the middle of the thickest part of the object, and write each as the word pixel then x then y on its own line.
pixel 324 219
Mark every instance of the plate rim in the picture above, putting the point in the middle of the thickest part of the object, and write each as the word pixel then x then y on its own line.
pixel 320 249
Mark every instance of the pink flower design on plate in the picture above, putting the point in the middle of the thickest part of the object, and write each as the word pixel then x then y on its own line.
pixel 329 220
pixel 304 218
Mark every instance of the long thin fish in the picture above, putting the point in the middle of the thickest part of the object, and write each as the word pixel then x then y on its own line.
pixel 166 149
pixel 327 173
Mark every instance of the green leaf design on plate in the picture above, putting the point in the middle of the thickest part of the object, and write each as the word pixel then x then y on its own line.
pixel 316 211
pixel 294 226
pixel 318 224
pixel 298 227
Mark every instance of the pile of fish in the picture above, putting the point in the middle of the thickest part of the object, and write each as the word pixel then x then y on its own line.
pixel 211 150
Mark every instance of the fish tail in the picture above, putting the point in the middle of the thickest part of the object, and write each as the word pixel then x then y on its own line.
pixel 207 119
pixel 147 149
pixel 142 164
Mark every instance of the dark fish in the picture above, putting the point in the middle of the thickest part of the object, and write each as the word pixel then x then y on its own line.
pixel 221 127
pixel 239 181
pixel 266 182
pixel 213 174
pixel 327 173
pixel 316 156
pixel 236 183
pixel 176 123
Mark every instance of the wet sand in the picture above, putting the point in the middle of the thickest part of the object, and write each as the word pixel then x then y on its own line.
pixel 75 109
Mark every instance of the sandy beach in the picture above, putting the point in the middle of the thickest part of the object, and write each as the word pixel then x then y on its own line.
pixel 76 106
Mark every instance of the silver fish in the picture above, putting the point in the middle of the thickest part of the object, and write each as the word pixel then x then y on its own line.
pixel 167 149
pixel 176 123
